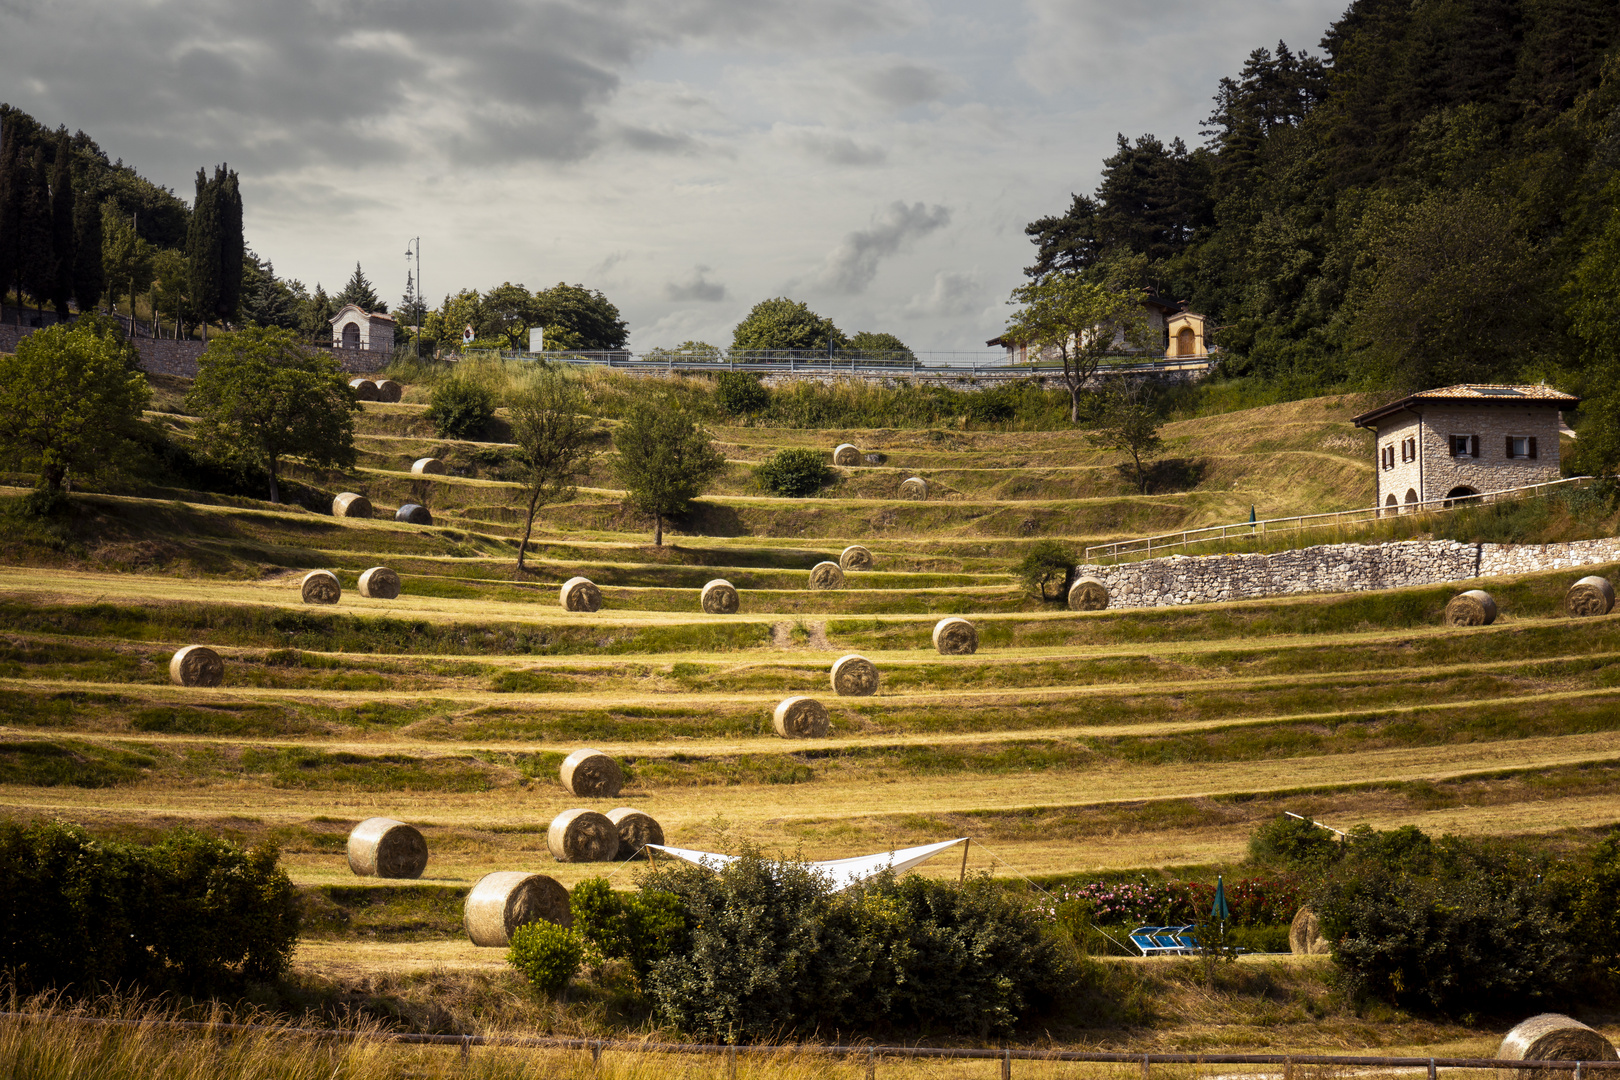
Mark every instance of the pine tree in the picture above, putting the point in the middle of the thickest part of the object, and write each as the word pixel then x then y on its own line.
pixel 202 250
pixel 37 261
pixel 360 293
pixel 62 231
pixel 89 278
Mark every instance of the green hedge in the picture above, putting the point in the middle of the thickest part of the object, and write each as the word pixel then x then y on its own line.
pixel 190 913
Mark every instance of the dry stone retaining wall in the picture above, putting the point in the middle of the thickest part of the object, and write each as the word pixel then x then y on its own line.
pixel 1211 579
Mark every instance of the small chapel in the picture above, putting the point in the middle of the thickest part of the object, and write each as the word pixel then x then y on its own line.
pixel 353 328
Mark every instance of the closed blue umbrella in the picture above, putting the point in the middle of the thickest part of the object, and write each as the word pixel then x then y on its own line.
pixel 1220 910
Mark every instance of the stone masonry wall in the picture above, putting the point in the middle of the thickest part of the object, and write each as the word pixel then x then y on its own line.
pixel 160 356
pixel 1211 579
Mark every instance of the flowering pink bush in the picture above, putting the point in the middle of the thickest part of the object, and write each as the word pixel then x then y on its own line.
pixel 1254 901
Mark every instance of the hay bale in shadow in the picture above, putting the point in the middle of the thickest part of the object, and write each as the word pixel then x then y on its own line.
pixel 1088 594
pixel 854 676
pixel 320 587
pixel 1588 597
pixel 1305 935
pixel 826 575
pixel 720 597
pixel 591 774
pixel 413 514
pixel 846 454
pixel 196 665
pixel 855 557
pixel 582 835
pixel 914 487
pixel 507 899
pixel 580 594
pixel 383 847
pixel 379 583
pixel 800 718
pixel 350 505
pixel 636 830
pixel 428 466
pixel 364 389
pixel 389 391
pixel 1472 608
pixel 1551 1037
pixel 955 637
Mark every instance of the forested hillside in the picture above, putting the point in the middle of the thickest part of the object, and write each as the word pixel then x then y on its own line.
pixel 1410 207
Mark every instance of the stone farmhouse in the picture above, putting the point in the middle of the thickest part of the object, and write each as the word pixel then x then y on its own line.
pixel 353 328
pixel 1465 440
pixel 1182 333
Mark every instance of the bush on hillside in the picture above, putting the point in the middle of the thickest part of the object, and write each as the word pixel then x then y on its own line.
pixel 795 473
pixel 1045 569
pixel 460 409
pixel 546 954
pixel 640 928
pixel 738 393
pixel 1293 843
pixel 191 912
pixel 772 949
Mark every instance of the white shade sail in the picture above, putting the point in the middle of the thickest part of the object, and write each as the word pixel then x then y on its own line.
pixel 843 872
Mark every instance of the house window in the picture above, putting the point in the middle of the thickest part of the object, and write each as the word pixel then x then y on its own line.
pixel 1521 446
pixel 1409 449
pixel 1465 446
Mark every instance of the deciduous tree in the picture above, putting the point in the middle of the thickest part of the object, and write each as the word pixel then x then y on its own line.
pixel 780 323
pixel 263 396
pixel 1129 423
pixel 584 311
pixel 664 461
pixel 553 440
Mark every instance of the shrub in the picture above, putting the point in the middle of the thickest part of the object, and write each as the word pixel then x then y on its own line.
pixel 738 393
pixel 191 912
pixel 460 409
pixel 795 472
pixel 547 954
pixel 641 928
pixel 993 406
pixel 1292 842
pixel 1047 565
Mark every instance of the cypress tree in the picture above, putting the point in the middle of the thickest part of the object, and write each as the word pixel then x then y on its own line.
pixel 232 249
pixel 89 276
pixel 10 212
pixel 62 231
pixel 36 269
pixel 202 251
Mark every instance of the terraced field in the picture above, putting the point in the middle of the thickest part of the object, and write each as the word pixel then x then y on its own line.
pixel 1069 742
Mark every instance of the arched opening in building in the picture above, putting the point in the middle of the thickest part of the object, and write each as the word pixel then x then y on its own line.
pixel 1392 503
pixel 351 336
pixel 1186 342
pixel 1411 500
pixel 1460 494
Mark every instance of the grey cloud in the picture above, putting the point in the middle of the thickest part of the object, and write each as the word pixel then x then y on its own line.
pixel 902 84
pixel 953 294
pixel 658 142
pixel 834 149
pixel 698 288
pixel 854 263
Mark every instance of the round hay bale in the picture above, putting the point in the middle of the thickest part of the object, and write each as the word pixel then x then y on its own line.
pixel 846 454
pixel 580 594
pixel 1589 596
pixel 1088 594
pixel 390 391
pixel 412 514
pixel 1305 935
pixel 379 583
pixel 507 899
pixel 854 676
pixel 581 835
pixel 350 505
pixel 826 575
pixel 383 847
pixel 955 637
pixel 914 487
pixel 428 466
pixel 855 557
pixel 1472 608
pixel 591 774
pixel 196 665
pixel 1551 1037
pixel 800 718
pixel 636 830
pixel 720 597
pixel 320 587
pixel 364 389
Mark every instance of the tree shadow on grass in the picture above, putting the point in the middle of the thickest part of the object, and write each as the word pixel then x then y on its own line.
pixel 1167 475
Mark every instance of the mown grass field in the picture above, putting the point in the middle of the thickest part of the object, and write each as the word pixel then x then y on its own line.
pixel 1070 743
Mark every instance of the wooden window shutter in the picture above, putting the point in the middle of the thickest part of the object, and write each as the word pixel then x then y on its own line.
pixel 1532 448
pixel 1510 446
pixel 1473 443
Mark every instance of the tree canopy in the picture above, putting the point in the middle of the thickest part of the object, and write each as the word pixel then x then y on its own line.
pixel 261 396
pixel 664 460
pixel 359 292
pixel 882 346
pixel 781 323
pixel 553 444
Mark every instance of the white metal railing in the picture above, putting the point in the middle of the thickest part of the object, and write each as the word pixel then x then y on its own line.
pixel 1150 547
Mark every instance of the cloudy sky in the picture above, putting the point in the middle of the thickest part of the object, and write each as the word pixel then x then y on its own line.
pixel 875 158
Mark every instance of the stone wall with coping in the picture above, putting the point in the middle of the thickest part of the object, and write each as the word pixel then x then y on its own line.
pixel 1212 579
pixel 162 356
